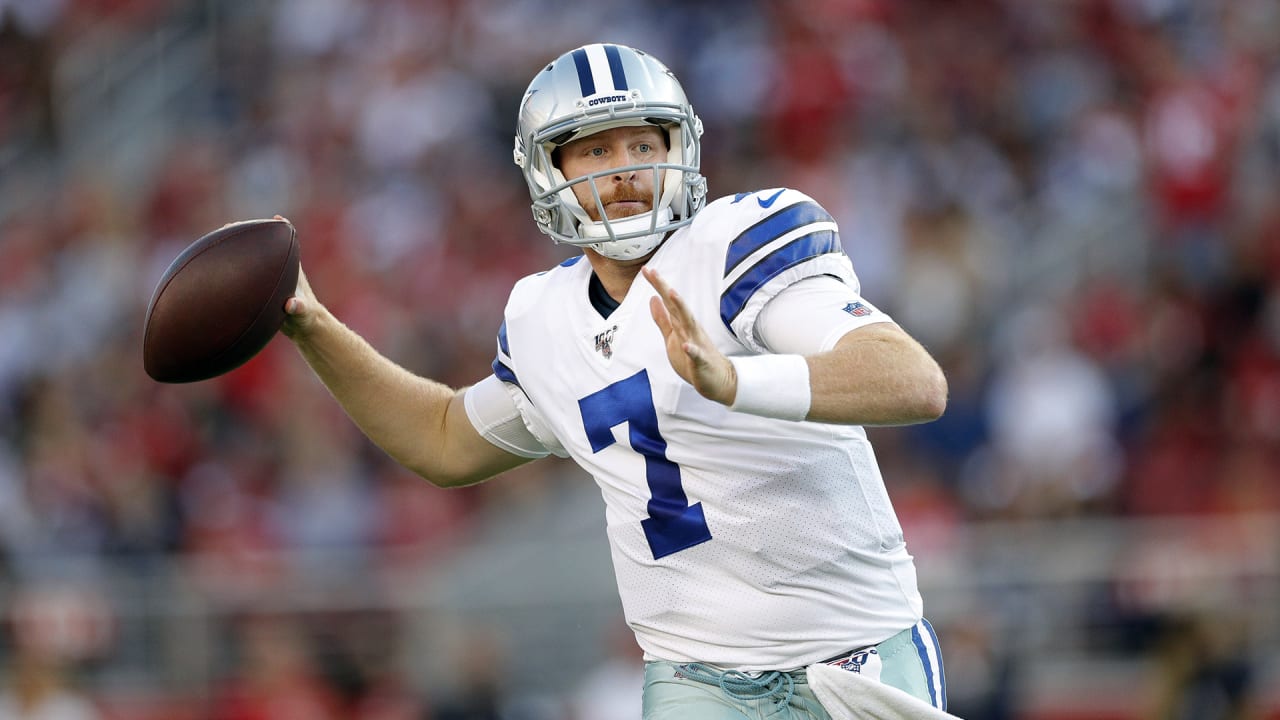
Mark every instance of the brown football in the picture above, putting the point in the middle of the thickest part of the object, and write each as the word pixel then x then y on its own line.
pixel 221 301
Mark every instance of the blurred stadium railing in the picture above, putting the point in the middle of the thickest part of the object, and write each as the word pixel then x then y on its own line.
pixel 1072 619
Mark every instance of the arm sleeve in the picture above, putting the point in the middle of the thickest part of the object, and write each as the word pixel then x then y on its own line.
pixel 811 315
pixel 502 415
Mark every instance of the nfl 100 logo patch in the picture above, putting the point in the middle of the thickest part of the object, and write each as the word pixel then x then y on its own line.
pixel 865 662
pixel 604 342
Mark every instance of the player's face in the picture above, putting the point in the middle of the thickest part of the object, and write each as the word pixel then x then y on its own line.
pixel 623 193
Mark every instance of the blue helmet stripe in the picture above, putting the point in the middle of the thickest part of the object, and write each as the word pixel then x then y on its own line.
pixel 793 253
pixel 772 228
pixel 615 67
pixel 585 79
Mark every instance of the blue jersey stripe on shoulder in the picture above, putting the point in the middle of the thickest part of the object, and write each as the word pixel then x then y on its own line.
pixel 500 368
pixel 793 253
pixel 504 373
pixel 771 228
pixel 502 339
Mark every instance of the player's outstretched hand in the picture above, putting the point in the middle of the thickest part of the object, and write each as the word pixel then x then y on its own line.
pixel 692 354
pixel 300 309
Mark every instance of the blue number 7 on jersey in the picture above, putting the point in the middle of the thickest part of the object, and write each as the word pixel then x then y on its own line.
pixel 673 524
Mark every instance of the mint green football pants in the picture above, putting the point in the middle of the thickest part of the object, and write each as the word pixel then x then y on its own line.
pixel 910 661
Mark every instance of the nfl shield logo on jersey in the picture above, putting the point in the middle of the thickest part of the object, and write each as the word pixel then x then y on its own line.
pixel 604 342
pixel 857 309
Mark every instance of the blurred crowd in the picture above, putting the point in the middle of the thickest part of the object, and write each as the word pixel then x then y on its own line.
pixel 1075 205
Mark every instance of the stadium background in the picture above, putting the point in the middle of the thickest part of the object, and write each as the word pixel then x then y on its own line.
pixel 1075 204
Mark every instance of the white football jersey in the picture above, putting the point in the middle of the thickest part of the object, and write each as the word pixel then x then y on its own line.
pixel 740 541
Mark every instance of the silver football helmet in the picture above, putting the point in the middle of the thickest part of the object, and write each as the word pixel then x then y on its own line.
pixel 595 88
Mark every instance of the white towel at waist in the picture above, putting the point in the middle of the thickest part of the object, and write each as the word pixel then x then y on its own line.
pixel 849 696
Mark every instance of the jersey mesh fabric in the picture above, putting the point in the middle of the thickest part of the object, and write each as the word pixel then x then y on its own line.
pixel 788 550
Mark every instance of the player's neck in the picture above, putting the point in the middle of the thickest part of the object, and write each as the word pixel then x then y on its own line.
pixel 615 275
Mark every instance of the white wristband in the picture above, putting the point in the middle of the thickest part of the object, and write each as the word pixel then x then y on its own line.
pixel 775 386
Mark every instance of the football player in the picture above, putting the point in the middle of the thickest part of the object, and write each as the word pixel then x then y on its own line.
pixel 711 365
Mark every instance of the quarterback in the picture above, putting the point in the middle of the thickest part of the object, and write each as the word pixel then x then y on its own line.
pixel 711 365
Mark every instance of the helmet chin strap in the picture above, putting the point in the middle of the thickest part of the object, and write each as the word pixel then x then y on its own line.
pixel 630 248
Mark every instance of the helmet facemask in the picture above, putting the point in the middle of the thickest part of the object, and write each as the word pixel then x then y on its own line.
pixel 679 190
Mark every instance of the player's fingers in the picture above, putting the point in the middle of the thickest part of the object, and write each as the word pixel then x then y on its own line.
pixel 674 320
pixel 297 304
pixel 675 303
pixel 695 353
pixel 660 316
pixel 679 310
pixel 658 283
pixel 654 279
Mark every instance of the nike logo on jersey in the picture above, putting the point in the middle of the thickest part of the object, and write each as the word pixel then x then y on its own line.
pixel 765 203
